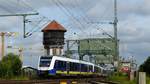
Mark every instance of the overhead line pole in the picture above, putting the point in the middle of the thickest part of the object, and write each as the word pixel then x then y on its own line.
pixel 116 58
pixel 24 20
pixel 19 14
pixel 24 26
pixel 115 37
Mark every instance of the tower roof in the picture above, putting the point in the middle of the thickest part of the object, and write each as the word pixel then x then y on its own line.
pixel 54 26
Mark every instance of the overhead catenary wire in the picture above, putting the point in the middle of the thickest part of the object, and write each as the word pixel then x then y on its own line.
pixel 59 2
pixel 10 5
pixel 32 30
pixel 82 16
pixel 68 13
pixel 26 4
pixel 19 8
pixel 87 19
pixel 40 21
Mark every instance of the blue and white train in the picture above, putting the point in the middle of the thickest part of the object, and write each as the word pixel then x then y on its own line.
pixel 57 65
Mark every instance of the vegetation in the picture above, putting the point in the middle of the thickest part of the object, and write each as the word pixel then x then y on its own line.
pixel 10 66
pixel 124 79
pixel 147 80
pixel 121 79
pixel 145 67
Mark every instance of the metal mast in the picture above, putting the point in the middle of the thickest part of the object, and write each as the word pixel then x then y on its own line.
pixel 24 20
pixel 116 58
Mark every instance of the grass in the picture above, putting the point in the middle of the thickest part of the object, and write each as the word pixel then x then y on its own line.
pixel 121 79
pixel 15 78
pixel 147 80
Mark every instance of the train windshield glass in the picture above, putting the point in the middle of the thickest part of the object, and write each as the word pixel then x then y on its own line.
pixel 45 61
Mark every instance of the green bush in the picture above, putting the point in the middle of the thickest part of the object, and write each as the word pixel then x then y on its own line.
pixel 145 67
pixel 10 66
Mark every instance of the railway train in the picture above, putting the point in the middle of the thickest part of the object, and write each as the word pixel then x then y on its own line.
pixel 58 65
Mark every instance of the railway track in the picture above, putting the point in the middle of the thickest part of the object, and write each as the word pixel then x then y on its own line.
pixel 59 81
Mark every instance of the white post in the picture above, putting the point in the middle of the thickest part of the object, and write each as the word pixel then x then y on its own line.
pixel 62 51
pixel 58 51
pixel 131 75
pixel 51 51
pixel 142 78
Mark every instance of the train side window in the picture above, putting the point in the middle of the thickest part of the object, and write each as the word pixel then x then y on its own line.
pixel 67 66
pixel 71 66
pixel 63 65
pixel 77 67
pixel 56 65
pixel 74 66
pixel 60 65
pixel 84 68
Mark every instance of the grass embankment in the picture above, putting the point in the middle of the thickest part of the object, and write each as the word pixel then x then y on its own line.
pixel 123 79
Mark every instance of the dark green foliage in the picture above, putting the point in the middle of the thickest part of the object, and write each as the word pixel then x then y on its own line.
pixel 145 67
pixel 10 66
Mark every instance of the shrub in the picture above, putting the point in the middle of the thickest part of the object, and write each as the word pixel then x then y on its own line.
pixel 10 66
pixel 145 67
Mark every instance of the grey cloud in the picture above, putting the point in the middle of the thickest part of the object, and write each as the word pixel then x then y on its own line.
pixel 136 7
pixel 133 21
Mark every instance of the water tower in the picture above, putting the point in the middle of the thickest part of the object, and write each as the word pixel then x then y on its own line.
pixel 53 38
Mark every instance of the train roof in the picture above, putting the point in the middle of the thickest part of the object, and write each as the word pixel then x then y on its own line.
pixel 71 60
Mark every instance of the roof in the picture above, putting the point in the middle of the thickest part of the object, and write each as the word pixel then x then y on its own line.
pixel 54 26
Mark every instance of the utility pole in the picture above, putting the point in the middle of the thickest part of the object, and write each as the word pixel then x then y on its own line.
pixel 115 36
pixel 116 58
pixel 24 15
pixel 3 34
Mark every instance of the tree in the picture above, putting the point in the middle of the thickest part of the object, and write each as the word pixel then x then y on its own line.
pixel 145 67
pixel 10 65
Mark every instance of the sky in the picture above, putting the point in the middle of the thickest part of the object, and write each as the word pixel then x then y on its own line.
pixel 80 17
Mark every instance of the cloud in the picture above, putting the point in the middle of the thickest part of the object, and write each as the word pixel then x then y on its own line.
pixel 133 26
pixel 135 7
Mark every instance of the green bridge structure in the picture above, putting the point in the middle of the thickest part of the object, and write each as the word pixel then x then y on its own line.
pixel 103 49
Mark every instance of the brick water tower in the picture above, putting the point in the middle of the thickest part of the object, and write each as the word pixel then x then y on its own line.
pixel 53 38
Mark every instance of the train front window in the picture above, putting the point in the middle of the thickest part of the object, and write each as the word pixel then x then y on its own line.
pixel 45 61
